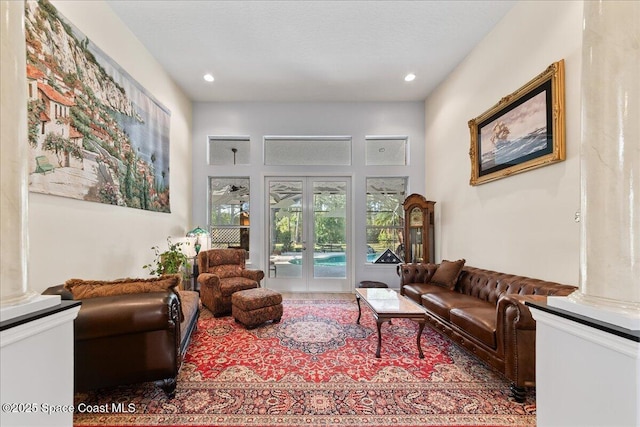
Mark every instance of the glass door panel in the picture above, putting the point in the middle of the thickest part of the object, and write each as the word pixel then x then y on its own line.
pixel 330 234
pixel 309 234
pixel 286 224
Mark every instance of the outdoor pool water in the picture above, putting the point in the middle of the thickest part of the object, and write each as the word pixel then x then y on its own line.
pixel 334 258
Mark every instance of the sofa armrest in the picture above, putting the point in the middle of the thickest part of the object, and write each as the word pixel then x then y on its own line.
pixel 127 314
pixel 256 275
pixel 514 313
pixel 517 337
pixel 416 273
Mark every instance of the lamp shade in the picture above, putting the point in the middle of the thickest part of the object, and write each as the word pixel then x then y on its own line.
pixel 196 232
pixel 201 237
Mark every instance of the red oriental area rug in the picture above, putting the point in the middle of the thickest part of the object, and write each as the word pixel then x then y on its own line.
pixel 317 367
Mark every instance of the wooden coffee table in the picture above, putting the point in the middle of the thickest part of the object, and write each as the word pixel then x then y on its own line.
pixel 387 304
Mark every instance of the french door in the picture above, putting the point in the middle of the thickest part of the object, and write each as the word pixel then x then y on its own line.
pixel 309 234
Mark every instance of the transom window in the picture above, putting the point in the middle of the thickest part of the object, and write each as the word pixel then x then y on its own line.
pixel 386 150
pixel 307 150
pixel 229 150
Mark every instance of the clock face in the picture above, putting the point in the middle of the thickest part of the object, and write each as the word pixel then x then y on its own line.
pixel 415 218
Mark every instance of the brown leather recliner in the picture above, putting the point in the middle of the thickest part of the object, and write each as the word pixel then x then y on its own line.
pixel 223 272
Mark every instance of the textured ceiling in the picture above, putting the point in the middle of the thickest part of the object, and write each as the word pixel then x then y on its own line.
pixel 309 50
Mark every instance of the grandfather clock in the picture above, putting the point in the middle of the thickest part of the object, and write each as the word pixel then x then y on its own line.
pixel 419 239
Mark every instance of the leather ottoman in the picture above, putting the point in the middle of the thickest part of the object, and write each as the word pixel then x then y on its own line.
pixel 252 307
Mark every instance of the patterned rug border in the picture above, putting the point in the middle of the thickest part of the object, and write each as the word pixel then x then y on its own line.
pixel 316 421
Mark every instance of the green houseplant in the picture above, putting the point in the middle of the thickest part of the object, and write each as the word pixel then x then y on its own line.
pixel 167 262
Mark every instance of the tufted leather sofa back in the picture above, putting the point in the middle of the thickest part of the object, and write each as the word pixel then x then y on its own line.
pixel 491 285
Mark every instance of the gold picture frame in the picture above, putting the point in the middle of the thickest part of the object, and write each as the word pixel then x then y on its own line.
pixel 523 131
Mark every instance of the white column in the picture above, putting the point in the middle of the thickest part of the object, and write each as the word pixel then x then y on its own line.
pixel 13 167
pixel 610 153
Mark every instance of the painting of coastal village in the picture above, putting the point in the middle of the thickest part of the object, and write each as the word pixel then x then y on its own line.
pixel 94 133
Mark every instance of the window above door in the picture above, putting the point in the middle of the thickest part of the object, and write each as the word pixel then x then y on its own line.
pixel 229 150
pixel 307 150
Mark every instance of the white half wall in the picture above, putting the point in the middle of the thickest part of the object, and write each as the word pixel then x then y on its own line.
pixel 73 238
pixel 523 224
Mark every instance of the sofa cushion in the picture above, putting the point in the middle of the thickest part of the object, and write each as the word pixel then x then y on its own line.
pixel 190 303
pixel 234 284
pixel 190 306
pixel 477 321
pixel 416 290
pixel 447 273
pixel 441 303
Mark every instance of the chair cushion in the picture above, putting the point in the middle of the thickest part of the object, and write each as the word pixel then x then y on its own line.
pixel 447 273
pixel 230 285
pixel 479 322
pixel 441 303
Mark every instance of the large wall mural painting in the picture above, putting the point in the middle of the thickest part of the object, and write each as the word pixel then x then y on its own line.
pixel 94 132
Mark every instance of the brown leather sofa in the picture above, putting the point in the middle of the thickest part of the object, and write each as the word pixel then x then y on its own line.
pixel 125 339
pixel 485 313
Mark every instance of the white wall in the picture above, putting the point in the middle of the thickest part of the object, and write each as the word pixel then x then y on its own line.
pixel 523 224
pixel 356 119
pixel 73 238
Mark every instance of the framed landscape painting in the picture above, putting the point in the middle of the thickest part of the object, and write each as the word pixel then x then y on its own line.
pixel 525 130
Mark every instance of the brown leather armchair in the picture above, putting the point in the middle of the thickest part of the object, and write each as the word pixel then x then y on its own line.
pixel 223 272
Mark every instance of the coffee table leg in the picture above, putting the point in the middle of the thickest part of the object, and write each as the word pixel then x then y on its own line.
pixel 359 310
pixel 379 324
pixel 419 336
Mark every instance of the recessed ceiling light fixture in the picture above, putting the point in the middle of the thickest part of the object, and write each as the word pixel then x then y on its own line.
pixel 409 77
pixel 208 77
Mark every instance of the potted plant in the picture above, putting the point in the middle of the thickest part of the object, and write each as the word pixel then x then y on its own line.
pixel 169 261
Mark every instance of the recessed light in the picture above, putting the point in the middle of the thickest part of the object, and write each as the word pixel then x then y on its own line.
pixel 208 77
pixel 409 77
